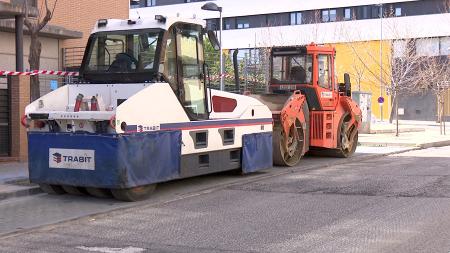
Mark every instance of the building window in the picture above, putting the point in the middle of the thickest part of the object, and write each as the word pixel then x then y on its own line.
pixel 363 12
pixel 445 46
pixel 296 18
pixel 151 3
pixel 134 4
pixel 376 11
pixel 347 14
pixel 427 47
pixel 212 24
pixel 399 48
pixel 242 23
pixel 398 11
pixel 226 24
pixel 329 15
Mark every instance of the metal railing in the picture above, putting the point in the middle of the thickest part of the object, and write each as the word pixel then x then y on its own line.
pixel 72 58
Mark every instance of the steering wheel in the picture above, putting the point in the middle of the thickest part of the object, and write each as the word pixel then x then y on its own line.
pixel 122 62
pixel 131 57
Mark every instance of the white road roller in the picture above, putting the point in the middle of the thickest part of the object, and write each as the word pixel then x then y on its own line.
pixel 143 114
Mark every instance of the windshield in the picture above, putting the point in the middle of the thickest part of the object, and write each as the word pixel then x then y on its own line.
pixel 292 69
pixel 133 51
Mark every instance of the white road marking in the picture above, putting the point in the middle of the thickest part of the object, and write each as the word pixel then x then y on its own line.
pixel 112 250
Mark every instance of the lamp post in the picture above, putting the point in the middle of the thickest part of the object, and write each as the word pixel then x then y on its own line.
pixel 381 58
pixel 213 7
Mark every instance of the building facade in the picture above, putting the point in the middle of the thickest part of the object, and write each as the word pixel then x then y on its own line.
pixel 82 15
pixel 355 28
pixel 63 41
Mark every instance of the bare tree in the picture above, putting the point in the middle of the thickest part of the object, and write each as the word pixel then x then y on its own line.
pixel 436 74
pixel 34 26
pixel 400 73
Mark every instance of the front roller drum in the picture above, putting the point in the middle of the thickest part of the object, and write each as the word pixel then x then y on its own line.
pixel 134 194
pixel 287 152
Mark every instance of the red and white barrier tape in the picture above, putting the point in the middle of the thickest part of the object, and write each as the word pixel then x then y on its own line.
pixel 38 72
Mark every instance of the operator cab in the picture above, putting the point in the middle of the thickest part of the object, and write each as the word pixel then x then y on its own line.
pixel 170 51
pixel 309 69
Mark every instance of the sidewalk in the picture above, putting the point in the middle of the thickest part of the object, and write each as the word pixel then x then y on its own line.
pixel 14 181
pixel 422 134
pixel 382 141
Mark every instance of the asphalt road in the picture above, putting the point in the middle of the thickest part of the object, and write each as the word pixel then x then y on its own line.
pixel 398 203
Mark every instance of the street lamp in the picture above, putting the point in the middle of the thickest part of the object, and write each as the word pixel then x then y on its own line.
pixel 381 58
pixel 213 7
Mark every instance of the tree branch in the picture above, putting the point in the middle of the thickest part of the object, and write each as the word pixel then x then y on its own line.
pixel 48 16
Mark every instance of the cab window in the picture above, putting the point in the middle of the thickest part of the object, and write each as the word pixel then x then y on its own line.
pixel 292 69
pixel 192 94
pixel 324 71
pixel 170 63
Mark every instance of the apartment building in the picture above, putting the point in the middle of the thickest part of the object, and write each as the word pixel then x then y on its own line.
pixel 355 28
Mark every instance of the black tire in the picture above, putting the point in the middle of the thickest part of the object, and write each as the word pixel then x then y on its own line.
pixel 134 194
pixel 282 157
pixel 52 189
pixel 73 190
pixel 99 192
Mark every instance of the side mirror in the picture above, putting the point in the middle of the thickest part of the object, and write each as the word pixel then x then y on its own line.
pixel 213 39
pixel 348 85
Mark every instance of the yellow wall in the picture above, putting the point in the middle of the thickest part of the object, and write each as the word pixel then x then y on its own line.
pixel 447 103
pixel 362 61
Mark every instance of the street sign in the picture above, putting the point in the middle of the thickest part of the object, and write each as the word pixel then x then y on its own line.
pixel 381 100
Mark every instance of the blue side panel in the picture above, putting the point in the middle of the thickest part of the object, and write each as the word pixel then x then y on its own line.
pixel 256 152
pixel 150 157
pixel 121 161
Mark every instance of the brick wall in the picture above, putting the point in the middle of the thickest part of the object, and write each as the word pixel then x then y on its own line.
pixel 81 15
pixel 20 97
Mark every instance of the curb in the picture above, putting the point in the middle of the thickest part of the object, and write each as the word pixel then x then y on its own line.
pixel 32 190
pixel 405 145
pixel 435 144
pixel 390 131
pixel 386 144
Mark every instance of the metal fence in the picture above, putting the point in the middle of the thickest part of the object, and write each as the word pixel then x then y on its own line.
pixel 253 66
pixel 72 58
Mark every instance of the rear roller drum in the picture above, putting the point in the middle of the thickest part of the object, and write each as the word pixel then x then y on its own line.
pixel 348 142
pixel 291 153
pixel 52 189
pixel 134 194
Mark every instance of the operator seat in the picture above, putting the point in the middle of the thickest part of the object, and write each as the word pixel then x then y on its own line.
pixel 298 74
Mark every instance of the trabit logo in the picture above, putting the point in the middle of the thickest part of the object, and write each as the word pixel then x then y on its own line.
pixel 57 157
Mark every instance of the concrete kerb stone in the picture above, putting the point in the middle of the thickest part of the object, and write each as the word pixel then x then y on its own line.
pixel 401 130
pixel 405 144
pixel 20 193
pixel 386 144
pixel 435 144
